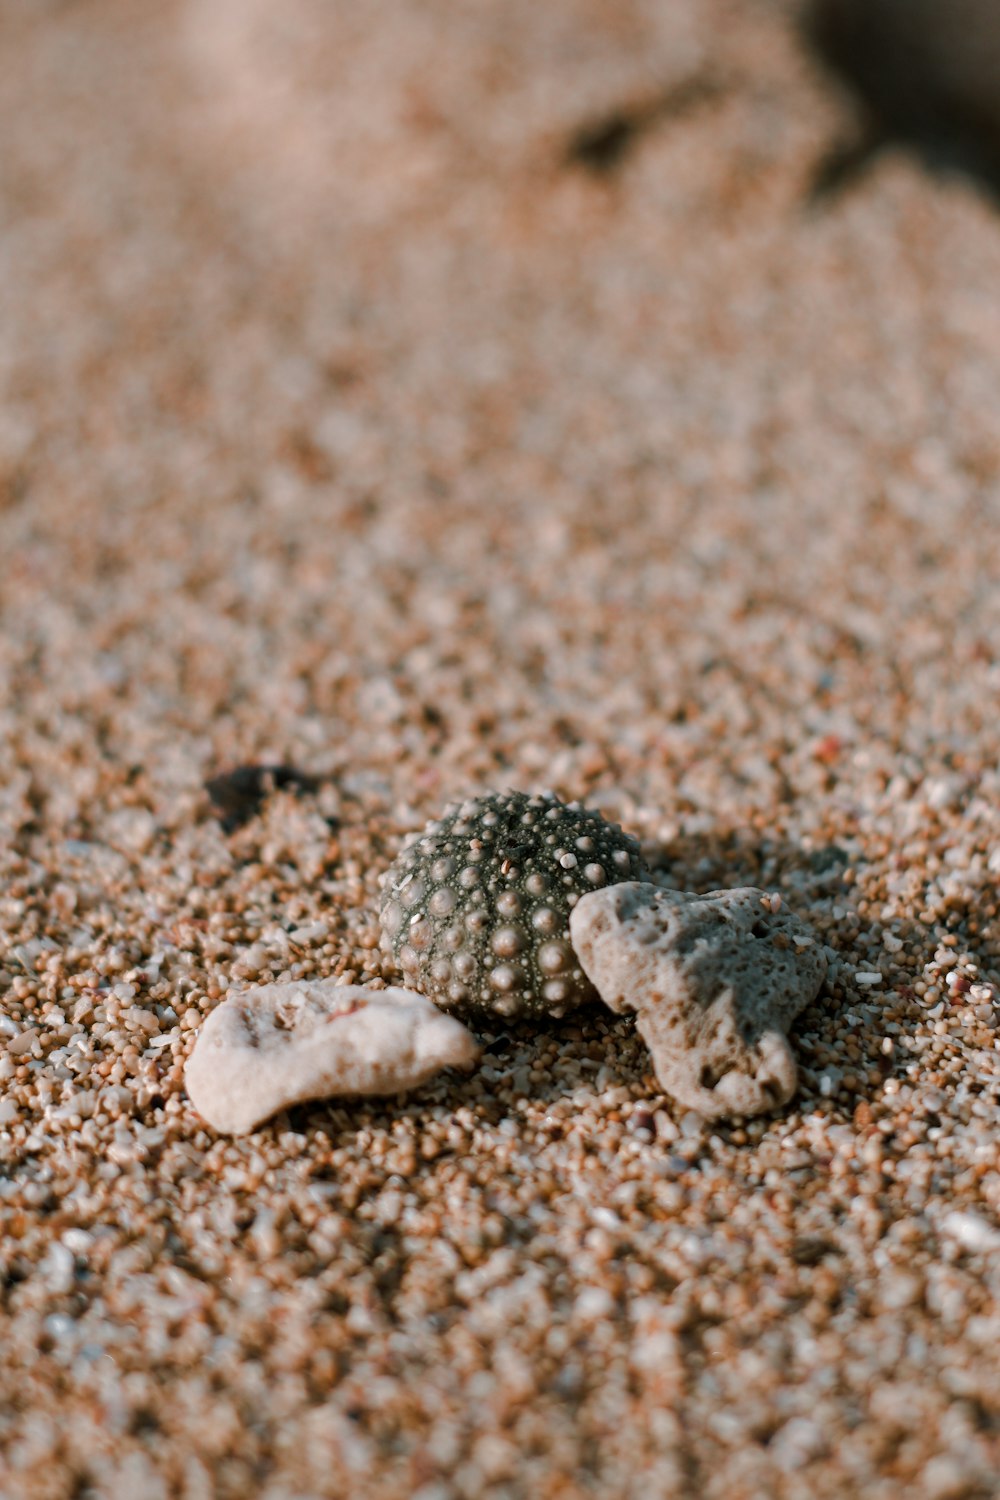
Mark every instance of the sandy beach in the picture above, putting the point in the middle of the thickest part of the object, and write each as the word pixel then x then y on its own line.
pixel 439 398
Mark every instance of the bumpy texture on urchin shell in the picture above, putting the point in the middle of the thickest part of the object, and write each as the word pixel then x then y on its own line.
pixel 476 909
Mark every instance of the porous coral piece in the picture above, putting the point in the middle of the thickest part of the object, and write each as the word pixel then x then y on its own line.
pixel 715 982
pixel 280 1044
pixel 476 909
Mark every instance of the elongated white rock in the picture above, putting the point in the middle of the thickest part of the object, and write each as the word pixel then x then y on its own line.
pixel 715 982
pixel 280 1044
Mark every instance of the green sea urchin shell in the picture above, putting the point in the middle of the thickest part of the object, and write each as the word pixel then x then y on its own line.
pixel 475 910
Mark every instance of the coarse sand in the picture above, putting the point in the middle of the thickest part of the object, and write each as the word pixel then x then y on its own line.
pixel 437 398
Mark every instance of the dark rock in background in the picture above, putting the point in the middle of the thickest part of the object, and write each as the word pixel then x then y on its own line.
pixel 925 72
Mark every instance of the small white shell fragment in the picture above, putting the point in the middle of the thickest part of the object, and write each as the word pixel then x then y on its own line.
pixel 280 1044
pixel 972 1232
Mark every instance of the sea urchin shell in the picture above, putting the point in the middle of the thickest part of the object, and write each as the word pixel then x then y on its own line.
pixel 475 910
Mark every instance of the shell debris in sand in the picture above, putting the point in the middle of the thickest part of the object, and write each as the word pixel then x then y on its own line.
pixel 716 981
pixel 281 1044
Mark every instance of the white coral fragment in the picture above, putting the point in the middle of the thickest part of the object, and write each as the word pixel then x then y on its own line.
pixel 281 1044
pixel 715 982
